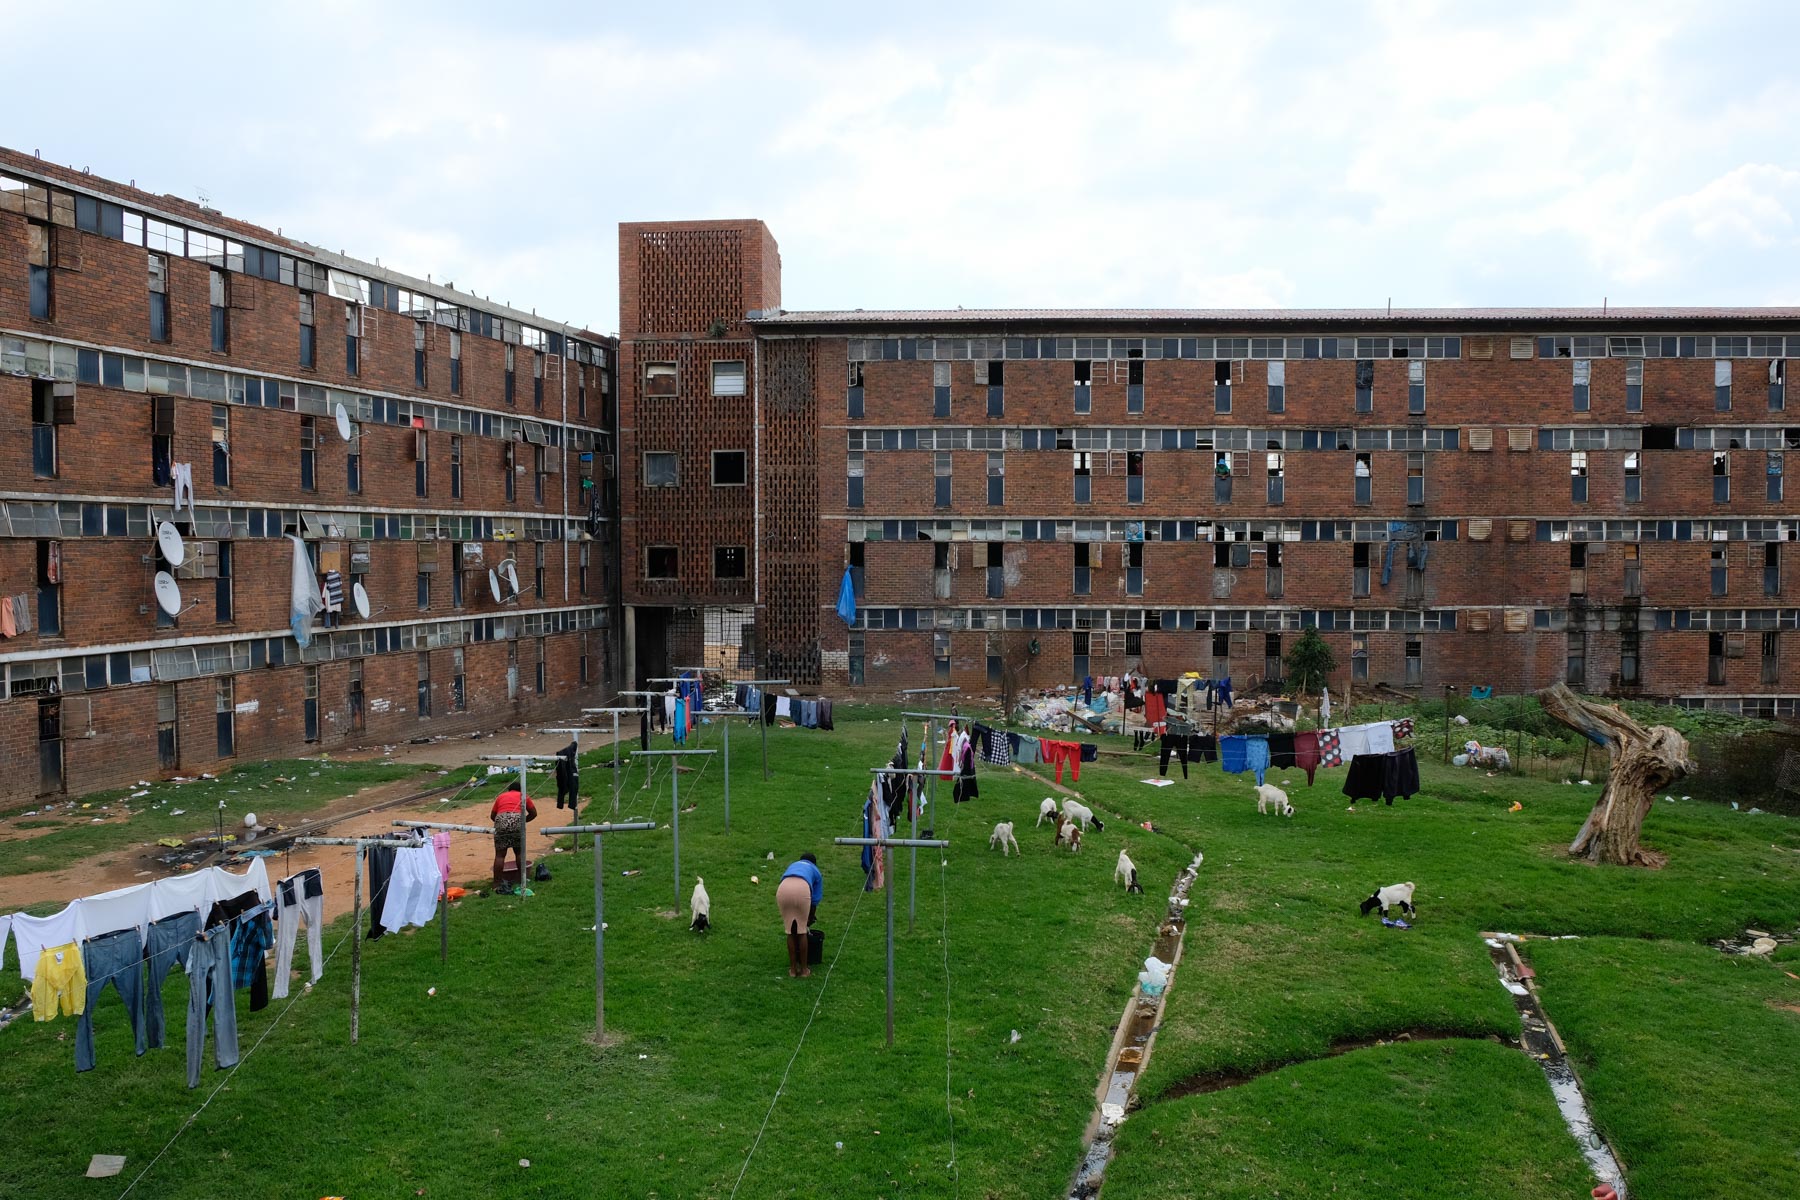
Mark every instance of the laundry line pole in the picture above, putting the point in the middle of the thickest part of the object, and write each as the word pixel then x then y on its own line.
pixel 444 908
pixel 760 710
pixel 728 713
pixel 575 732
pixel 913 902
pixel 886 841
pixel 618 762
pixel 930 751
pixel 355 913
pixel 675 803
pixel 599 910
pixel 649 698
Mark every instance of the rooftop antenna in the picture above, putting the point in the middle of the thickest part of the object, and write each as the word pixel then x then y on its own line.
pixel 1390 311
pixel 204 198
pixel 1603 303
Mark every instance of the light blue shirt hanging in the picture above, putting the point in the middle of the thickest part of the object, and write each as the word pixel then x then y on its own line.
pixel 846 605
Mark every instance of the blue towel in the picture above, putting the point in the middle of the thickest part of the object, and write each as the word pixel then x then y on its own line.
pixel 1256 756
pixel 846 605
pixel 1234 753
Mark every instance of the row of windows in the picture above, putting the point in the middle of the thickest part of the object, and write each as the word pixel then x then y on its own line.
pixel 662 468
pixel 119 223
pixel 1127 439
pixel 1668 531
pixel 1138 619
pixel 74 519
pixel 1149 531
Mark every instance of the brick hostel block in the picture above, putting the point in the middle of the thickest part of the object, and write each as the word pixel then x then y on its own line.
pixel 145 337
pixel 1467 497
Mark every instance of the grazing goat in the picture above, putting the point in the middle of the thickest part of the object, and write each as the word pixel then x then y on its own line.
pixel 1126 872
pixel 1046 809
pixel 1082 815
pixel 1068 831
pixel 1003 837
pixel 1267 795
pixel 701 903
pixel 1387 897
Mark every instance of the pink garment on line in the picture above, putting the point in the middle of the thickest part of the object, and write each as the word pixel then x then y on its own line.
pixel 440 842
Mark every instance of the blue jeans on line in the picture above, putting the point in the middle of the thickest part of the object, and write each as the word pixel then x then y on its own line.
pixel 209 982
pixel 165 947
pixel 116 959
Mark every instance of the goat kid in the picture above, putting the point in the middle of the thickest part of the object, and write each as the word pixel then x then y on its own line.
pixel 1003 837
pixel 1068 831
pixel 1082 815
pixel 1126 872
pixel 1046 809
pixel 1400 894
pixel 1269 796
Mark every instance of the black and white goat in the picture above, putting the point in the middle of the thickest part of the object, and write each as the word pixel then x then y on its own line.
pixel 1400 894
pixel 1082 816
pixel 701 904
pixel 1126 873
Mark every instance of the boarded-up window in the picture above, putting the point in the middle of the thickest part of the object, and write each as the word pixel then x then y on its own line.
pixel 1518 531
pixel 1518 439
pixel 1481 438
pixel 1480 529
pixel 1481 347
pixel 428 556
pixel 1522 347
pixel 1517 620
pixel 1480 621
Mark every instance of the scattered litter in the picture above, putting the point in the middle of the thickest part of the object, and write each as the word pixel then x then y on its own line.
pixel 176 812
pixel 1516 807
pixel 642 1057
pixel 633 871
pixel 1734 806
pixel 1396 923
pixel 1585 783
pixel 1112 1114
pixel 524 1162
pixel 1460 719
pixel 104 1166
pixel 1159 782
pixel 770 856
pixel 1755 812
pixel 431 991
pixel 1015 1036
pixel 1763 945
pixel 840 1145
pixel 754 879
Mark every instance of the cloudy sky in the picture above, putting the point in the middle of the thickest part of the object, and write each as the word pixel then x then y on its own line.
pixel 1043 154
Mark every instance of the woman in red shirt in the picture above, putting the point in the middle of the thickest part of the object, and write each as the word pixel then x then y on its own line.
pixel 509 831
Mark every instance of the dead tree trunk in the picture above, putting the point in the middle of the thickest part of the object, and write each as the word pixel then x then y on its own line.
pixel 1643 762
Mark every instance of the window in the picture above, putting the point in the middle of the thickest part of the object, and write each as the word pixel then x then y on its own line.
pixel 1134 386
pixel 1359 568
pixel 358 698
pixel 996 477
pixel 1084 387
pixel 220 294
pixel 1415 386
pixel 1575 663
pixel 855 561
pixel 419 354
pixel 424 684
pixel 455 363
pixel 1578 477
pixel 162 439
pixel 49 589
pixel 309 342
pixel 1221 387
pixel 1771 657
pixel 940 655
pixel 168 753
pixel 728 378
pixel 456 575
pixel 854 483
pixel 421 462
pixel 222 597
pixel 1771 560
pixel 996 388
pixel 1277 386
pixel 661 469
pixel 940 389
pixel 1134 568
pixel 543 665
pixel 52 404
pixel 509 469
pixel 1359 655
pixel 1222 476
pixel 1365 385
pixel 511 385
pixel 41 259
pixel 159 298
pixel 853 394
pixel 1772 473
pixel 1777 384
pixel 540 462
pixel 309 453
pixel 1634 570
pixel 858 659
pixel 353 460
pixel 1273 581
pixel 456 453
pixel 996 568
pixel 1721 471
pixel 1277 478
pixel 352 332
pixel 1134 477
pixel 659 379
pixel 1634 479
pixel 940 472
pixel 424 591
pixel 1720 570
pixel 1084 577
pixel 1583 377
pixel 1415 663
pixel 225 712
pixel 582 567
pixel 537 397
pixel 661 562
pixel 1715 658
pixel 1084 477
pixel 1363 480
pixel 459 692
pixel 1722 385
pixel 1630 651
pixel 730 468
pixel 1634 385
pixel 1415 477
pixel 221 445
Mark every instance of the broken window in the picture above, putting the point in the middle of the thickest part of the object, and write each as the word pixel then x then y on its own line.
pixel 1277 481
pixel 221 445
pixel 940 471
pixel 1084 388
pixel 1720 572
pixel 1777 384
pixel 659 378
pixel 1083 568
pixel 996 477
pixel 220 285
pixel 1359 568
pixel 1772 472
pixel 1415 663
pixel 940 389
pixel 996 389
pixel 1575 671
pixel 854 484
pixel 1630 650
pixel 159 298
pixel 1771 657
pixel 1634 385
pixel 1134 568
pixel 1578 477
pixel 1634 479
pixel 1222 469
pixel 1084 477
pixel 1365 385
pixel 661 469
pixel 729 468
pixel 309 342
pixel 1722 385
pixel 1363 480
pixel 853 397
pixel 1272 574
pixel 728 562
pixel 1415 477
pixel 1415 386
pixel 1715 658
pixel 1583 373
pixel 1359 656
pixel 1771 561
pixel 1634 570
pixel 1721 472
pixel 455 363
pixel 1221 387
pixel 1134 477
pixel 1277 386
pixel 661 562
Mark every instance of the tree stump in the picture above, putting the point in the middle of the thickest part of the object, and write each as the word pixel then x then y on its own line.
pixel 1643 762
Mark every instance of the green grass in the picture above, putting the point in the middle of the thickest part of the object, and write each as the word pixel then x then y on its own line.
pixel 447 1092
pixel 255 787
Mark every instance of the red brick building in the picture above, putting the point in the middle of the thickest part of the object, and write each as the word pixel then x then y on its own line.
pixel 1453 497
pixel 140 334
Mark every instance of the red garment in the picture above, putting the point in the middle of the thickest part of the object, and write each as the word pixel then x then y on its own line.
pixel 508 802
pixel 1306 754
pixel 947 764
pixel 1059 753
pixel 1155 711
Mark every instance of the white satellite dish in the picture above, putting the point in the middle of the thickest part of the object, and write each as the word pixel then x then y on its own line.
pixel 174 552
pixel 343 423
pixel 494 583
pixel 360 597
pixel 168 594
pixel 510 571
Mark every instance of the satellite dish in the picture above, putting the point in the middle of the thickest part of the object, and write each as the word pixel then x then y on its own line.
pixel 510 570
pixel 174 552
pixel 494 583
pixel 343 423
pixel 168 594
pixel 360 597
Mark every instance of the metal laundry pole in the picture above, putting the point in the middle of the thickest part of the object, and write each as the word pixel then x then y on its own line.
pixel 760 710
pixel 618 759
pixel 675 803
pixel 355 914
pixel 599 910
pixel 884 842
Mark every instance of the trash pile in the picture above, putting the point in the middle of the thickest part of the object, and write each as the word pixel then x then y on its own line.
pixel 1494 758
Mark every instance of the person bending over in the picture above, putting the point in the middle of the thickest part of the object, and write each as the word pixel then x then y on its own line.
pixel 797 896
pixel 509 814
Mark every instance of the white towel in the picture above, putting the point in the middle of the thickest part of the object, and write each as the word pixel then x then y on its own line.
pixel 121 908
pixel 1381 738
pixel 182 893
pixel 412 888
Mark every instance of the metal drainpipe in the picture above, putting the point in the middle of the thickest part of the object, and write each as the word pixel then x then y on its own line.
pixel 562 376
pixel 756 433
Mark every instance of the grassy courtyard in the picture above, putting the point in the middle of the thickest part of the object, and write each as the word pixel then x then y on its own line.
pixel 447 1093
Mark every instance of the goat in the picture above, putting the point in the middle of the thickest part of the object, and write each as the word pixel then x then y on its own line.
pixel 1267 795
pixel 1126 872
pixel 1385 898
pixel 1082 815
pixel 701 903
pixel 1046 809
pixel 1003 837
pixel 1068 831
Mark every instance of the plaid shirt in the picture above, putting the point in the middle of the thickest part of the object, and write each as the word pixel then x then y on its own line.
pixel 251 937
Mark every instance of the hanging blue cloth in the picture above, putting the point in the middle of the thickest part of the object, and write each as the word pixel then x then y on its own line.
pixel 1224 692
pixel 1234 753
pixel 680 720
pixel 868 852
pixel 1256 756
pixel 846 605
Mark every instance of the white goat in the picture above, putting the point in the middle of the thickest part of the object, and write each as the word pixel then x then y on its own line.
pixel 1267 795
pixel 1126 873
pixel 1046 809
pixel 701 903
pixel 1393 894
pixel 1003 837
pixel 1082 815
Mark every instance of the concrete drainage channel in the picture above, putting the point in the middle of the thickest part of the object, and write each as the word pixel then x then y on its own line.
pixel 1539 1039
pixel 1131 1046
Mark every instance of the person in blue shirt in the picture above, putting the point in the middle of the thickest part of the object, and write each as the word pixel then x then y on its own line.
pixel 797 896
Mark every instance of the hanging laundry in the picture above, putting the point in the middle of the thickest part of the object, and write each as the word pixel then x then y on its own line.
pixel 1325 706
pixel 182 475
pixel 1257 757
pixel 1059 753
pixel 1306 754
pixel 59 984
pixel 53 563
pixel 965 788
pixel 1331 748
pixel 304 600
pixel 1403 728
pixel 679 720
pixel 568 779
pixel 1225 692
pixel 1234 753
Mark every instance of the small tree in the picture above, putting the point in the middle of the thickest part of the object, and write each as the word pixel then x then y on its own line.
pixel 1309 663
pixel 1015 648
